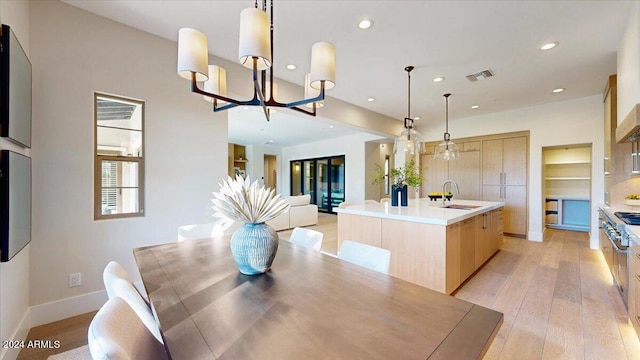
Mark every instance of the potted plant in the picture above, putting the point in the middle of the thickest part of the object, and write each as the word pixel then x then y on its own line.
pixel 410 174
pixel 253 245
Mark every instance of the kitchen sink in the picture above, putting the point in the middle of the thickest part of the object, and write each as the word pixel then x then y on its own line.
pixel 461 207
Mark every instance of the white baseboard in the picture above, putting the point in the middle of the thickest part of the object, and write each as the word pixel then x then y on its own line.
pixel 66 308
pixel 19 335
pixel 535 236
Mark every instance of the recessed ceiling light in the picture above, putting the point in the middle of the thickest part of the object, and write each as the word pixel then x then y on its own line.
pixel 365 24
pixel 416 118
pixel 291 67
pixel 371 99
pixel 330 126
pixel 475 106
pixel 438 79
pixel 549 46
pixel 558 90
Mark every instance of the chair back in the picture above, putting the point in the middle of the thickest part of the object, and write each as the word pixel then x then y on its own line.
pixel 116 333
pixel 114 270
pixel 308 238
pixel 385 200
pixel 126 291
pixel 369 201
pixel 371 257
pixel 200 231
pixel 344 204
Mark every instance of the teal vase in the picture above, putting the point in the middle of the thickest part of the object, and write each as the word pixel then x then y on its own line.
pixel 254 247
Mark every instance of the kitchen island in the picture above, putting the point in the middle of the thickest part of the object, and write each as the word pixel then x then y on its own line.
pixel 435 247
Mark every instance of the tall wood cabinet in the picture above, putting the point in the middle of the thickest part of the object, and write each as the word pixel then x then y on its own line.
pixel 504 178
pixel 465 171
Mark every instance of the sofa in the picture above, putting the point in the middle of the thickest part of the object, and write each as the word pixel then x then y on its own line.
pixel 301 213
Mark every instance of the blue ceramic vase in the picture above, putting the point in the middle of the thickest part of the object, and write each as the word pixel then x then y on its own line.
pixel 254 247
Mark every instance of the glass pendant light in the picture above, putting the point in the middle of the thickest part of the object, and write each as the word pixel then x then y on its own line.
pixel 408 140
pixel 447 150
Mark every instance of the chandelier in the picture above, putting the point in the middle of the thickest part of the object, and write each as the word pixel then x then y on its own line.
pixel 256 53
pixel 408 140
pixel 447 150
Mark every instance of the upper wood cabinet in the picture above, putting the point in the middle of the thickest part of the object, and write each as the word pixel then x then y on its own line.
pixel 465 171
pixel 504 161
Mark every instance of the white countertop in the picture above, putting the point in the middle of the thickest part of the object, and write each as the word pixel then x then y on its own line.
pixel 422 211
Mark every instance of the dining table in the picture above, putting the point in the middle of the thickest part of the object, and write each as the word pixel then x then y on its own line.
pixel 310 305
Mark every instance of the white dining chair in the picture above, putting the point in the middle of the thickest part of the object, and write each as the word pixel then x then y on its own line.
pixel 125 290
pixel 200 231
pixel 344 204
pixel 368 201
pixel 385 200
pixel 308 238
pixel 114 270
pixel 116 332
pixel 371 257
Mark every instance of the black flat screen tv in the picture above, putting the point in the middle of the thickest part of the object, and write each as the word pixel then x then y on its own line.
pixel 15 90
pixel 15 203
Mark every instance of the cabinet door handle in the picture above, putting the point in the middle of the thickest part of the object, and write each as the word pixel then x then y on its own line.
pixel 505 179
pixel 484 221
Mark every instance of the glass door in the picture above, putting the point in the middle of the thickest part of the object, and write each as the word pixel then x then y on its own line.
pixel 322 179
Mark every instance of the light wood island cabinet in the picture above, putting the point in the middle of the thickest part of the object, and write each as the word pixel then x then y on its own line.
pixel 634 286
pixel 437 256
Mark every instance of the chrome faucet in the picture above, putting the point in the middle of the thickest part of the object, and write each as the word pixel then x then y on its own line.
pixel 444 194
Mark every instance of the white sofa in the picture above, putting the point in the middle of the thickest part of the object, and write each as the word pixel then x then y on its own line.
pixel 301 213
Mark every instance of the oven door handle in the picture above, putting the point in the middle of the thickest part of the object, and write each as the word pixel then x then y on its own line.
pixel 616 246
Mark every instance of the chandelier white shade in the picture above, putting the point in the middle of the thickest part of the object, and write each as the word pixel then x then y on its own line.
pixel 192 54
pixel 323 65
pixel 447 149
pixel 255 38
pixel 255 51
pixel 217 82
pixel 310 92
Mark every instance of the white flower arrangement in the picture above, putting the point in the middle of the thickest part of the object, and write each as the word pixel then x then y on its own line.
pixel 246 202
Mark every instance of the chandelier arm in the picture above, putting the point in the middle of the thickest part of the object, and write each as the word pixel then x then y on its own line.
pixel 257 89
pixel 271 41
pixel 197 90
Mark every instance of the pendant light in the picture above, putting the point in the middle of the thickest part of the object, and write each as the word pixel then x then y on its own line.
pixel 447 150
pixel 408 140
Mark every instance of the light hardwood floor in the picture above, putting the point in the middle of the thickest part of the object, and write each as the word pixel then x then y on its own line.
pixel 557 297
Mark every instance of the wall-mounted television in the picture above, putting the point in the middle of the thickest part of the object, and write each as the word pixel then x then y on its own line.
pixel 15 203
pixel 15 90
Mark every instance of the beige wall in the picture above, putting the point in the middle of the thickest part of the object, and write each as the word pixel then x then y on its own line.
pixel 74 54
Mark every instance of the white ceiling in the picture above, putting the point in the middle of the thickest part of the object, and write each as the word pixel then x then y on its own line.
pixel 440 38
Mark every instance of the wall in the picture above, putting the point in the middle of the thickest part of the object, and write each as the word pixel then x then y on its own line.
pixel 353 147
pixel 255 164
pixel 375 153
pixel 578 121
pixel 14 275
pixel 75 53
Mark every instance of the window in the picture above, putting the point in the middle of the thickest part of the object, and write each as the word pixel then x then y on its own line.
pixel 119 160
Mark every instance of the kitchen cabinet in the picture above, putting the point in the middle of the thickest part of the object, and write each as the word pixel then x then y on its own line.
pixel 634 285
pixel 488 235
pixel 467 248
pixel 504 178
pixel 465 171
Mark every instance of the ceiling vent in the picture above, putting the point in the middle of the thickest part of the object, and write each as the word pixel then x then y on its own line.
pixel 480 75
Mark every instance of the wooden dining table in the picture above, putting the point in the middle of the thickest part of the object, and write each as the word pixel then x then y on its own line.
pixel 310 305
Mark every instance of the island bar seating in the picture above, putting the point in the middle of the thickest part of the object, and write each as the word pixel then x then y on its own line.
pixel 216 312
pixel 117 333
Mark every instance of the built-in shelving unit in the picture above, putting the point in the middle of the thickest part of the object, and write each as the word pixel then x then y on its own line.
pixel 237 159
pixel 567 185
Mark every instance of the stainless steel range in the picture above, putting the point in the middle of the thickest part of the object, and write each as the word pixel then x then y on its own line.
pixel 615 252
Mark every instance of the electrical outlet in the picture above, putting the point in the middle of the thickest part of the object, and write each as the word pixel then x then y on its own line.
pixel 75 279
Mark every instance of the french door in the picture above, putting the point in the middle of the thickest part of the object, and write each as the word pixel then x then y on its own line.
pixel 321 178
